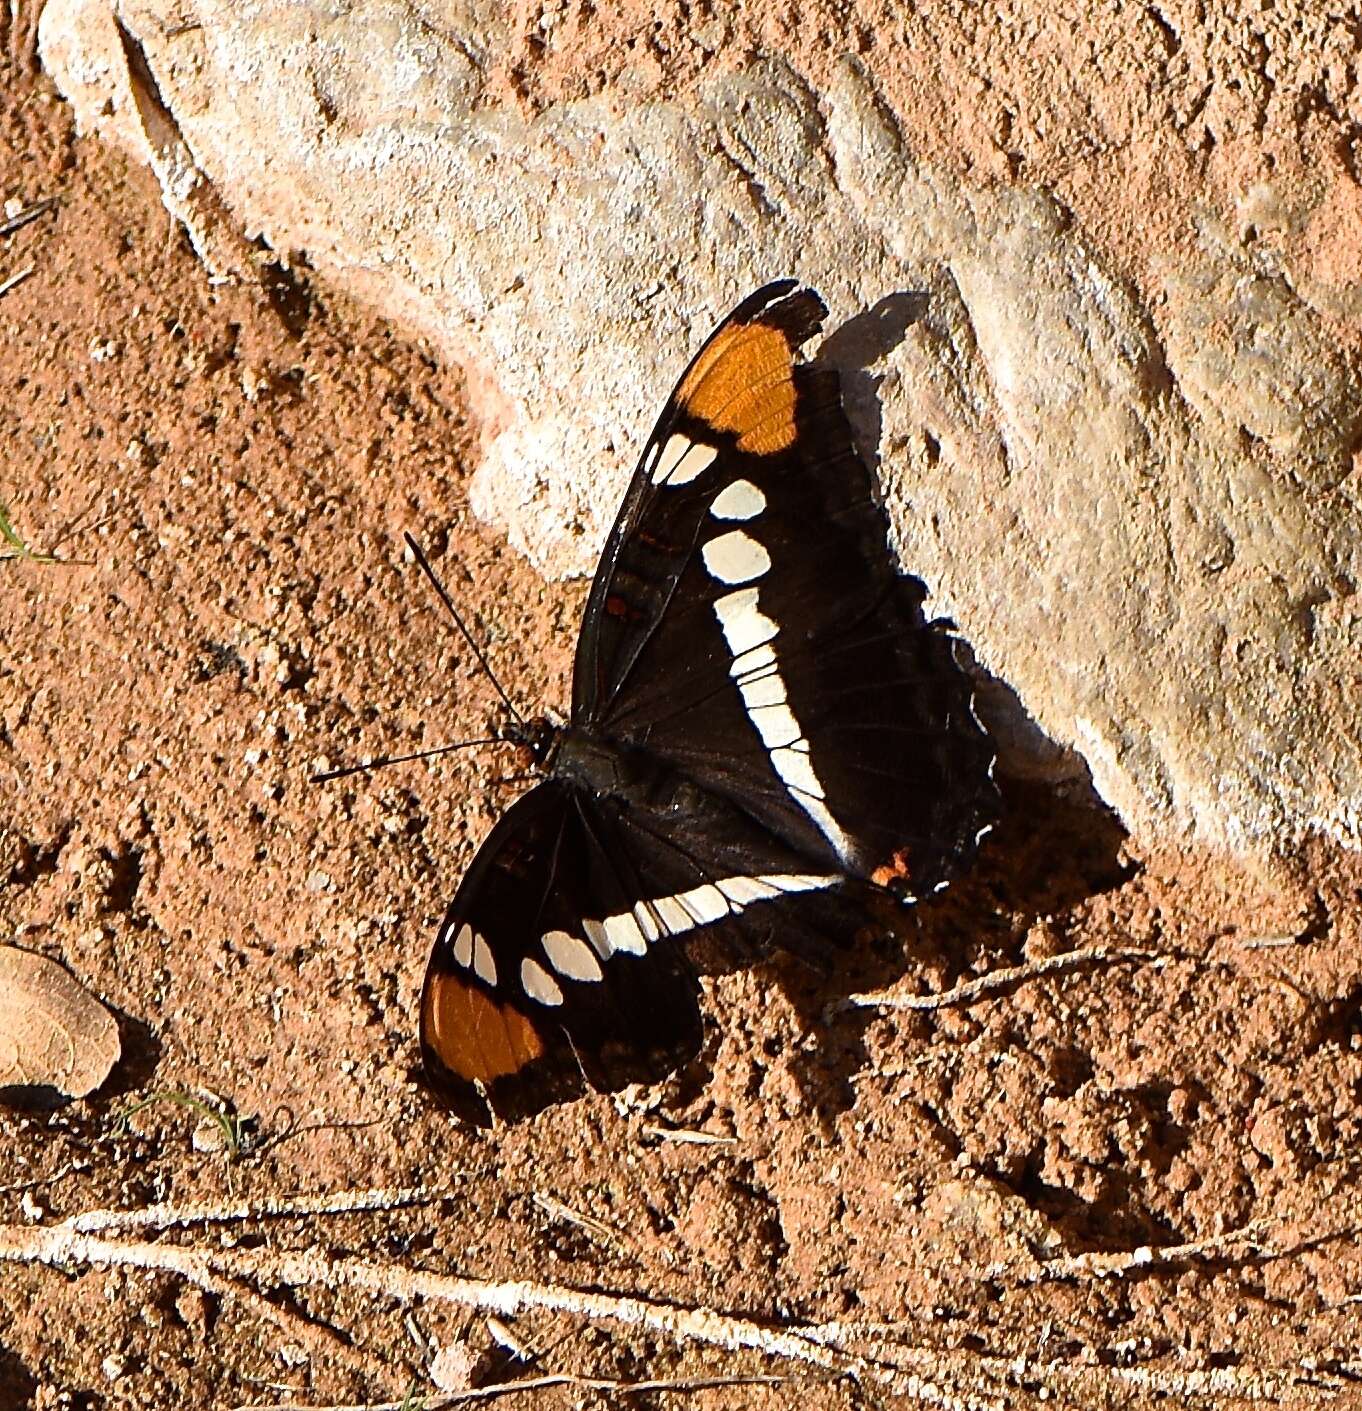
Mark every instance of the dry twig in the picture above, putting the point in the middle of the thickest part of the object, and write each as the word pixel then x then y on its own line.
pixel 971 990
pixel 164 1217
pixel 552 1379
pixel 687 1135
pixel 30 213
pixel 15 279
pixel 1102 1265
pixel 37 1182
pixel 960 1379
pixel 59 1245
pixel 556 1210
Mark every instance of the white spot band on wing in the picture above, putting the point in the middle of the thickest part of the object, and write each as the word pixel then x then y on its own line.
pixel 622 934
pixel 748 664
pixel 682 460
pixel 483 965
pixel 740 500
pixel 538 983
pixel 463 946
pixel 704 904
pixel 572 957
pixel 735 557
pixel 701 906
pixel 744 624
pixel 674 915
pixel 749 633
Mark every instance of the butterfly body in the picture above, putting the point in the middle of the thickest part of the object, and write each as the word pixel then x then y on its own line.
pixel 606 769
pixel 764 727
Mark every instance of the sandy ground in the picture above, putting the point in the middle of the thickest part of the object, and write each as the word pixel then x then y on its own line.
pixel 234 469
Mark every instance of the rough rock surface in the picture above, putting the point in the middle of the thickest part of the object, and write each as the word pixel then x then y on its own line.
pixel 1136 491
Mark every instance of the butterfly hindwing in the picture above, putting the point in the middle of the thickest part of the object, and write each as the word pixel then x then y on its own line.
pixel 563 956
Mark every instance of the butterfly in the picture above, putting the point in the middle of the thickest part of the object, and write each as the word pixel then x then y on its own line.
pixel 767 738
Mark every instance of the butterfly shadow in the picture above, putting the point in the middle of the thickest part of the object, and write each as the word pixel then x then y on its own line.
pixel 1052 850
pixel 854 348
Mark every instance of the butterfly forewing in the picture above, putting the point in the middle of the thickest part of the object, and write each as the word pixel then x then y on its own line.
pixel 747 624
pixel 739 380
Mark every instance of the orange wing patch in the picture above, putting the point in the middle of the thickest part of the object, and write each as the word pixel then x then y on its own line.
pixel 742 383
pixel 474 1036
pixel 896 869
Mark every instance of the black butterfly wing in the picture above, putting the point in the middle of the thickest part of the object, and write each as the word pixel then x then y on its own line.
pixel 652 528
pixel 747 626
pixel 563 957
pixel 507 1023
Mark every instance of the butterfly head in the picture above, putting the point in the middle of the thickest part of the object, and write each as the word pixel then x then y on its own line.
pixel 539 738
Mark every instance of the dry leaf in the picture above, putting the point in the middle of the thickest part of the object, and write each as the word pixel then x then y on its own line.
pixel 53 1031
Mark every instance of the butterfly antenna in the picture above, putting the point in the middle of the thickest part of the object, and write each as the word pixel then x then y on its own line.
pixel 439 587
pixel 329 774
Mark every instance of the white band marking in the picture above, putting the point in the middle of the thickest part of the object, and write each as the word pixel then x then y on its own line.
pixel 622 933
pixel 656 918
pixel 740 500
pixel 744 625
pixel 571 957
pixel 735 557
pixel 483 965
pixel 704 904
pixel 463 946
pixel 748 632
pixel 538 983
pixel 763 692
pixel 595 933
pixel 672 913
pixel 749 663
pixel 682 460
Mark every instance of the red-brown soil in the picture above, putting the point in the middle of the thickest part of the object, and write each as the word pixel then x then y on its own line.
pixel 235 472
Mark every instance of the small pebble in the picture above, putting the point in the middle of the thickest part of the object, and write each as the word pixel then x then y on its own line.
pixel 451 1369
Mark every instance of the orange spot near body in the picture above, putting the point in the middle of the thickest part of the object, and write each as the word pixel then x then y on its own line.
pixel 616 606
pixel 743 383
pixel 895 870
pixel 475 1037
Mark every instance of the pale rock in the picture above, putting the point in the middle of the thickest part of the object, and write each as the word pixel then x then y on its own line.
pixel 974 1228
pixel 453 1366
pixel 208 1137
pixel 1150 534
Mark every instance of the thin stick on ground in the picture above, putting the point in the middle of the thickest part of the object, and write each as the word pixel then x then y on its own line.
pixel 971 990
pixel 959 1379
pixel 38 1182
pixel 686 1135
pixel 1104 1265
pixel 30 213
pixel 556 1210
pixel 64 1244
pixel 165 1217
pixel 551 1379
pixel 16 279
pixel 61 1245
